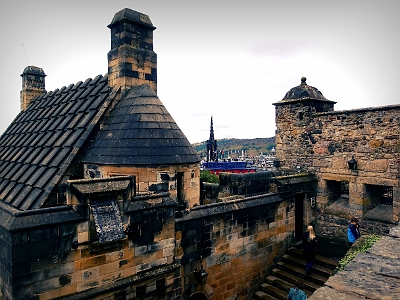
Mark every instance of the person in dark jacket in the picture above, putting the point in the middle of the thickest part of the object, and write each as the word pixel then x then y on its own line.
pixel 309 243
pixel 353 230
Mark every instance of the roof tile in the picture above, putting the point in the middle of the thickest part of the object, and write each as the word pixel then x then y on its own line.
pixel 13 193
pixel 31 164
pixel 23 193
pixel 10 185
pixel 30 171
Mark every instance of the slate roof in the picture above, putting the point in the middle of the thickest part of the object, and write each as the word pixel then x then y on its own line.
pixel 140 131
pixel 303 92
pixel 37 148
pixel 131 16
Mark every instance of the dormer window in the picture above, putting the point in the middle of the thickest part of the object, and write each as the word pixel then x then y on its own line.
pixel 103 219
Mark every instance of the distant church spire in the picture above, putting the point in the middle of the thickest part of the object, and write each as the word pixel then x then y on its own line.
pixel 212 153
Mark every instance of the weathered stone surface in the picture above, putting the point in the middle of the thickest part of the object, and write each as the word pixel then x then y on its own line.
pixel 387 247
pixel 327 293
pixel 374 274
pixel 395 232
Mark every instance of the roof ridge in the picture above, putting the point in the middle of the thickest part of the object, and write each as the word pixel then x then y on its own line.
pixel 88 81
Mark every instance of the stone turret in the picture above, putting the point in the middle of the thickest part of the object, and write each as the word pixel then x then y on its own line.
pixel 293 115
pixel 33 84
pixel 131 60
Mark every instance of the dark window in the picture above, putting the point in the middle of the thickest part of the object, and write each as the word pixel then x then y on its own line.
pixel 144 225
pixel 344 188
pixel 387 195
pixel 180 187
pixel 160 287
pixel 120 296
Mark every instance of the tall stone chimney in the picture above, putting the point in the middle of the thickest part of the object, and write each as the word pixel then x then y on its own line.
pixel 131 60
pixel 33 85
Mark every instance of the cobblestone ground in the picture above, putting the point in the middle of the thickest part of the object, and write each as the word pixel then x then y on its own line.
pixel 371 275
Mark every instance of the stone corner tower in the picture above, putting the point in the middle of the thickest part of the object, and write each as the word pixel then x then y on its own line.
pixel 131 60
pixel 292 116
pixel 33 84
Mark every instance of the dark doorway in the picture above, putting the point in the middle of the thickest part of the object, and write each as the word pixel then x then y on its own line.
pixel 180 187
pixel 298 215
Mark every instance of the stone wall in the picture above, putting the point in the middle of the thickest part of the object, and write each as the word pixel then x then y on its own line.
pixel 57 252
pixel 54 253
pixel 235 184
pixel 334 228
pixel 324 143
pixel 209 193
pixel 236 242
pixel 185 190
pixel 243 184
pixel 35 255
pixel 45 267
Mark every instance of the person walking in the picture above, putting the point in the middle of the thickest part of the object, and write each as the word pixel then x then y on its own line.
pixel 309 243
pixel 353 230
pixel 296 292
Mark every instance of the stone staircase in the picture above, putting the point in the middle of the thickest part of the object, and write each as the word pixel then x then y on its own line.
pixel 291 268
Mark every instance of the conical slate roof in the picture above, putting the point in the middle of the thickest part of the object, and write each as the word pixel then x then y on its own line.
pixel 140 131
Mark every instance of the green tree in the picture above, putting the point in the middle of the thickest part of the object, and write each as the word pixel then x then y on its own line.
pixel 206 176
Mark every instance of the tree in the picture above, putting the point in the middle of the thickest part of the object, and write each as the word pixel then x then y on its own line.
pixel 206 176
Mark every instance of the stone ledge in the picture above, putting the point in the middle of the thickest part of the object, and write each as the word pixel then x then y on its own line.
pixel 374 274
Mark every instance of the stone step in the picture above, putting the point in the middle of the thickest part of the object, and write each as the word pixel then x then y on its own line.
pixel 276 292
pixel 289 270
pixel 324 261
pixel 260 295
pixel 301 263
pixel 308 285
pixel 279 283
pixel 283 285
pixel 300 272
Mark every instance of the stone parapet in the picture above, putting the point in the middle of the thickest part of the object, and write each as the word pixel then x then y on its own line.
pixel 370 275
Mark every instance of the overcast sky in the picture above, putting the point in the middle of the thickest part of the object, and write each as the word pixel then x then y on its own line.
pixel 228 59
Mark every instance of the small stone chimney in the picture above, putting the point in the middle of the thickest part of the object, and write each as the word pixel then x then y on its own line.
pixel 131 60
pixel 32 85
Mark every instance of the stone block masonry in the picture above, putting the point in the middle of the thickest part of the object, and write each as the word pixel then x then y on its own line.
pixel 324 143
pixel 235 241
pixel 131 60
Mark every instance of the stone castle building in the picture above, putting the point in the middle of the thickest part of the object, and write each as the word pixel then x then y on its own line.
pixel 100 189
pixel 355 155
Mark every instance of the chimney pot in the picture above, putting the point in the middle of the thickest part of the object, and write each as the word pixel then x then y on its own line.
pixel 131 60
pixel 33 84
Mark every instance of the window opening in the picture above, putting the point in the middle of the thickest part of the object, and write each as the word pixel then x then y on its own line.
pixel 180 186
pixel 387 195
pixel 344 189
